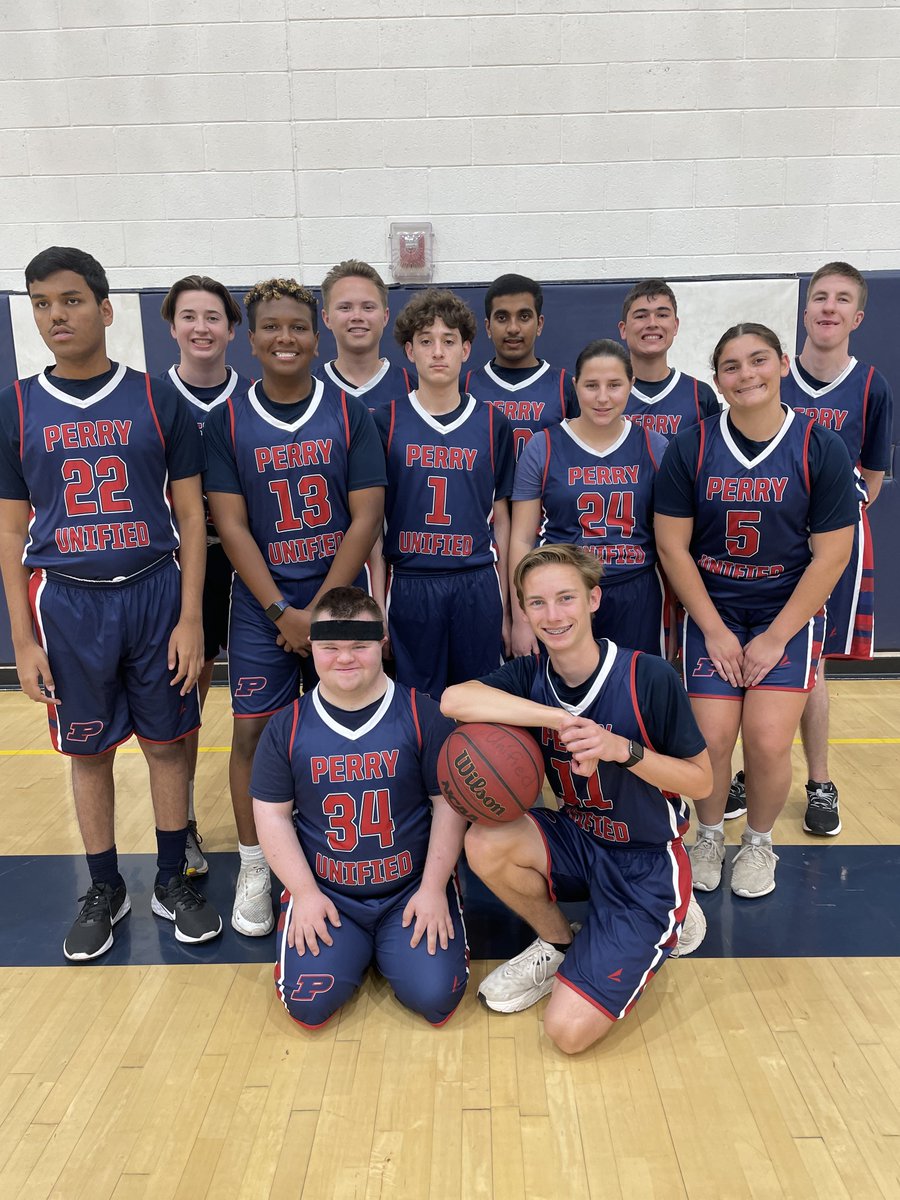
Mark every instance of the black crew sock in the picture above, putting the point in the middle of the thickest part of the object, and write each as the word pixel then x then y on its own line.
pixel 104 868
pixel 170 860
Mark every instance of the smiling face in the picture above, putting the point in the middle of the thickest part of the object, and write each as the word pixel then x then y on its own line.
pixel 749 373
pixel 438 353
pixel 70 319
pixel 832 311
pixel 355 314
pixel 348 670
pixel 650 326
pixel 559 606
pixel 513 327
pixel 201 328
pixel 283 339
pixel 603 388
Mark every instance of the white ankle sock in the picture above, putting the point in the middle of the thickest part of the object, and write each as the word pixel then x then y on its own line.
pixel 708 830
pixel 756 839
pixel 251 856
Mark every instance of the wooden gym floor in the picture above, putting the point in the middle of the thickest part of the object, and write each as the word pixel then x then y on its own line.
pixel 733 1077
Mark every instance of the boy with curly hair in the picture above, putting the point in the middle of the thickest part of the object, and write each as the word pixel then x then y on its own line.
pixel 450 471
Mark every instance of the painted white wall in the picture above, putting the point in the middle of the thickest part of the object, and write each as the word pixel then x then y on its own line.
pixel 572 139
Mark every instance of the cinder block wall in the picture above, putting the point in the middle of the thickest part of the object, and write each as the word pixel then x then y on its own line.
pixel 573 139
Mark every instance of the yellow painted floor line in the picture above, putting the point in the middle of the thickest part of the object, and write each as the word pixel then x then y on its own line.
pixel 892 741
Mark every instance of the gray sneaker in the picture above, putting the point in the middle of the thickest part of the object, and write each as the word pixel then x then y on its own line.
pixel 693 931
pixel 753 870
pixel 196 863
pixel 521 982
pixel 707 855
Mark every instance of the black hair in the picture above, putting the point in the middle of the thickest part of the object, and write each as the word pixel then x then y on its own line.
pixel 511 285
pixel 68 258
pixel 772 340
pixel 605 348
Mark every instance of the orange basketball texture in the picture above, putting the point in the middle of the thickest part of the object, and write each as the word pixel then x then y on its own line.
pixel 490 773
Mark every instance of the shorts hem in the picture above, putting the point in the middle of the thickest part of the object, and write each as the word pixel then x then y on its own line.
pixel 168 741
pixel 584 996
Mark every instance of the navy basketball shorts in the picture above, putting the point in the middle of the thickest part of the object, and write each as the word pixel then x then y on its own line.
pixel 850 624
pixel 632 612
pixel 216 600
pixel 445 627
pixel 313 987
pixel 263 677
pixel 108 647
pixel 795 673
pixel 637 900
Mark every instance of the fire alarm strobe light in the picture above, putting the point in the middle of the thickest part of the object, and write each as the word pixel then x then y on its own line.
pixel 412 258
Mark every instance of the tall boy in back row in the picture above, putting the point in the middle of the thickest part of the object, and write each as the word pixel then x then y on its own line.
pixel 99 488
pixel 662 398
pixel 526 389
pixel 853 399
pixel 355 309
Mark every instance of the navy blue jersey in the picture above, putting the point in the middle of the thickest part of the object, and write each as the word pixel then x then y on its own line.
pixel 671 404
pixel 858 406
pixel 389 382
pixel 361 794
pixel 203 400
pixel 295 474
pixel 752 515
pixel 443 477
pixel 637 696
pixel 95 460
pixel 600 500
pixel 529 398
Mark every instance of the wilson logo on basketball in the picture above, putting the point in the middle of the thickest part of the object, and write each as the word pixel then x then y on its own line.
pixel 490 773
pixel 474 783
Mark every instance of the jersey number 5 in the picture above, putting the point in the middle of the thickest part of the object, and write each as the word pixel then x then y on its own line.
pixel 741 534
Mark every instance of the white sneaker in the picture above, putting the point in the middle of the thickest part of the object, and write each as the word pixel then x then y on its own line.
pixel 196 864
pixel 753 870
pixel 693 930
pixel 707 855
pixel 252 914
pixel 522 981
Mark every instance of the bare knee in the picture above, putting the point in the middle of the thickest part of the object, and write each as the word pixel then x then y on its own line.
pixel 571 1037
pixel 164 753
pixel 246 735
pixel 489 848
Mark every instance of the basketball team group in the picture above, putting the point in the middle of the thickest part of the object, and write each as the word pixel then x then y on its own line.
pixel 631 569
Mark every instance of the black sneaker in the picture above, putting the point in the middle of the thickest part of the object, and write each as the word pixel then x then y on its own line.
pixel 736 804
pixel 195 919
pixel 92 935
pixel 822 814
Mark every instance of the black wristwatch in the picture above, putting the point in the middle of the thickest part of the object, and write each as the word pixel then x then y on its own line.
pixel 276 608
pixel 635 754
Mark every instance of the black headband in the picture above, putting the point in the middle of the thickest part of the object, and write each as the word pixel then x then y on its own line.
pixel 346 631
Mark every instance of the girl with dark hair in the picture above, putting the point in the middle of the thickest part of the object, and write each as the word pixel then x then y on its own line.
pixel 754 519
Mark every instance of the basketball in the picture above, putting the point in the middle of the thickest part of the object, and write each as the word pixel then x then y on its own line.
pixel 490 773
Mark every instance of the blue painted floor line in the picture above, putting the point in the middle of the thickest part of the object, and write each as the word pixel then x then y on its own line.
pixel 831 901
